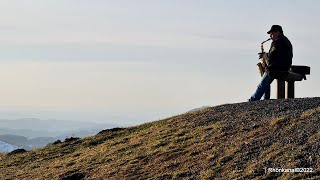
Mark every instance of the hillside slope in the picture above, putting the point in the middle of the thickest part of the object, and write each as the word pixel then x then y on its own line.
pixel 226 142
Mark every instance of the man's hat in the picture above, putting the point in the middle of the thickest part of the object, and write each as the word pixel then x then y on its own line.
pixel 275 28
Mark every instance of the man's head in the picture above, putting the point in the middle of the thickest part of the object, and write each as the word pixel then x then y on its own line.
pixel 275 31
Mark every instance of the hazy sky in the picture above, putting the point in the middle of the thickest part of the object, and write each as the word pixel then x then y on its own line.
pixel 103 60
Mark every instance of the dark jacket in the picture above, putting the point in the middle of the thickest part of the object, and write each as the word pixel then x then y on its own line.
pixel 280 57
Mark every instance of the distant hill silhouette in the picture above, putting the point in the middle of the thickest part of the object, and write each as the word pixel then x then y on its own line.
pixel 26 143
pixel 30 133
pixel 5 147
pixel 33 128
pixel 233 141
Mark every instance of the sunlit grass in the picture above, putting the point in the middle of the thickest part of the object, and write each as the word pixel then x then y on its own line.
pixel 208 144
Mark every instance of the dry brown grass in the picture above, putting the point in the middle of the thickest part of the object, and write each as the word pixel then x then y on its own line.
pixel 228 142
pixel 2 155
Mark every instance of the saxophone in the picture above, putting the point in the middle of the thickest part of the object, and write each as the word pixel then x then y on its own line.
pixel 263 57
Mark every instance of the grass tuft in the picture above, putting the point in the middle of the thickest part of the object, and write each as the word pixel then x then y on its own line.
pixel 310 112
pixel 279 120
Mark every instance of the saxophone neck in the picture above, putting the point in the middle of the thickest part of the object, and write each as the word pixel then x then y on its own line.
pixel 262 50
pixel 265 41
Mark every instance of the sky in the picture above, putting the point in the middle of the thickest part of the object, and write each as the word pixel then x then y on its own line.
pixel 132 62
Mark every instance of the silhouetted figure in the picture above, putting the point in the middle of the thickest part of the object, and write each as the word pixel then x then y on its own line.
pixel 278 62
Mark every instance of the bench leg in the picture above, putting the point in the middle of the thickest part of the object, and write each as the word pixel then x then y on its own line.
pixel 290 89
pixel 280 89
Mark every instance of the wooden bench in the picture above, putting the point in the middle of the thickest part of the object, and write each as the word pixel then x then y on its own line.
pixel 296 73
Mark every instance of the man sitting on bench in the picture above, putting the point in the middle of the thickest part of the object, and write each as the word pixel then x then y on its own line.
pixel 279 62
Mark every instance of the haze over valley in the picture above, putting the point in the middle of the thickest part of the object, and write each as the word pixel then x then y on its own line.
pixel 33 133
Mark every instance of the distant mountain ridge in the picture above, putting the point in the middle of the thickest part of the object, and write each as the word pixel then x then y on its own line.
pixel 33 127
pixel 26 143
pixel 30 133
pixel 5 147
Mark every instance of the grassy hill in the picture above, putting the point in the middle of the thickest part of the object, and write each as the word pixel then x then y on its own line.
pixel 226 142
